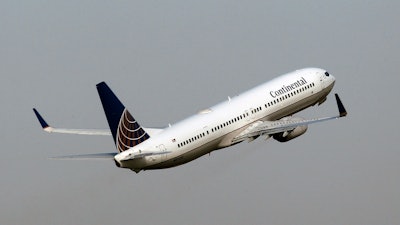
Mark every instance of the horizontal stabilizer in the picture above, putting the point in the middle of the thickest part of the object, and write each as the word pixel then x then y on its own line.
pixel 87 156
pixel 46 127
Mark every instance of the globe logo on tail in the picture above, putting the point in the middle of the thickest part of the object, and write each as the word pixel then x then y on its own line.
pixel 129 133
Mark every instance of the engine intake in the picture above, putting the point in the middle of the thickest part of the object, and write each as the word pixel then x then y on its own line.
pixel 289 135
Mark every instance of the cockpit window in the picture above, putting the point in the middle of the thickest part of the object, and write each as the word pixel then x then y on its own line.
pixel 327 74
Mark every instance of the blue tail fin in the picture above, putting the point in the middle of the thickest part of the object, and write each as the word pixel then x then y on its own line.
pixel 124 128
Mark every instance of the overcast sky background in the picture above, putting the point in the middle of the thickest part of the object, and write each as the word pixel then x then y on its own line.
pixel 169 59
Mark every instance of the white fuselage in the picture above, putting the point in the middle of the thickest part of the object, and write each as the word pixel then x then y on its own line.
pixel 216 127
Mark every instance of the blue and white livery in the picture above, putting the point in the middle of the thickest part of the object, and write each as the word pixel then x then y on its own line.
pixel 266 110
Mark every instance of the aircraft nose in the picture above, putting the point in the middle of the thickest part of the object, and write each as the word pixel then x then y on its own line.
pixel 333 79
pixel 330 79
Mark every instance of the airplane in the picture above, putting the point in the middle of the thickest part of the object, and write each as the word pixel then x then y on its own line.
pixel 266 110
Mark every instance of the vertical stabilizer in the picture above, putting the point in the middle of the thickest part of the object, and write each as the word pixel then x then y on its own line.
pixel 124 128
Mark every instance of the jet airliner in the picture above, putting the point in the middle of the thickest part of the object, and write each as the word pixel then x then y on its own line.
pixel 266 110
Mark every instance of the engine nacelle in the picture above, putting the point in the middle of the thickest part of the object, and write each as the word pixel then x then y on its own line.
pixel 289 135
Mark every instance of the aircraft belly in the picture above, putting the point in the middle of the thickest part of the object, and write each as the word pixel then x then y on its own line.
pixel 188 156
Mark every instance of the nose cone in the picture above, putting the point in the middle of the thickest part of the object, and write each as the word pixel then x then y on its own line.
pixel 329 81
pixel 332 79
pixel 329 77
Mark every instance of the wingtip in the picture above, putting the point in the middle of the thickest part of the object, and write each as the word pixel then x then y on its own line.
pixel 342 110
pixel 42 122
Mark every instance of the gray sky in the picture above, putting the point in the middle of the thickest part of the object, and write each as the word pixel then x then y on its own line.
pixel 167 60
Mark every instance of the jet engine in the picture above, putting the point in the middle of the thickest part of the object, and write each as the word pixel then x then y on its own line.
pixel 289 135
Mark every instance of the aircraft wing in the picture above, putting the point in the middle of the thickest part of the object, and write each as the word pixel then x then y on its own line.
pixel 46 127
pixel 273 127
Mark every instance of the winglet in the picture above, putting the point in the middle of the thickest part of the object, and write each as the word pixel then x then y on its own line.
pixel 342 110
pixel 42 122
